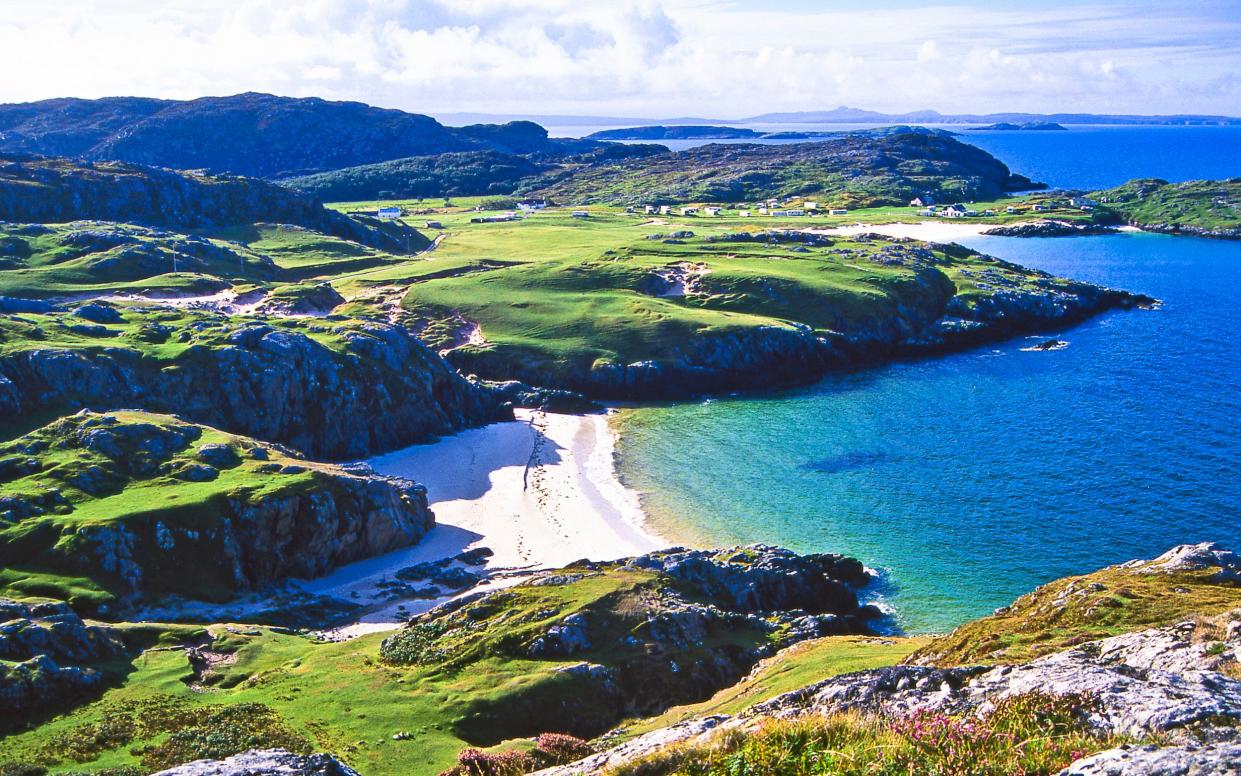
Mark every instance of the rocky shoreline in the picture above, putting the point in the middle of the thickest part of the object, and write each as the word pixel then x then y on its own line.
pixel 384 390
pixel 772 357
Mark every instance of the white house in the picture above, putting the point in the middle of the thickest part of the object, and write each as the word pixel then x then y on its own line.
pixel 839 211
pixel 434 225
pixel 688 211
pixel 1038 208
pixel 389 212
pixel 744 213
pixel 762 211
pixel 649 209
pixel 665 210
pixel 921 202
pixel 955 211
pixel 712 211
pixel 928 211
pixel 810 205
pixel 1011 209
pixel 581 214
pixel 794 212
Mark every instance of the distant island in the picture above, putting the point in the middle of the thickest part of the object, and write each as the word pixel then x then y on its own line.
pixel 658 132
pixel 847 115
pixel 712 132
pixel 1025 126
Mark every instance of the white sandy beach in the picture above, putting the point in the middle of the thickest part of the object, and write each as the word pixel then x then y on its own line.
pixel 930 231
pixel 539 492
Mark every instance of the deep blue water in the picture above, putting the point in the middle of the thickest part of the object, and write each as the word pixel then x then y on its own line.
pixel 972 478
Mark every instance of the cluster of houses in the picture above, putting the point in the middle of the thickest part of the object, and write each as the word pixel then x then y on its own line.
pixel 769 208
pixel 927 207
pixel 499 218
pixel 931 210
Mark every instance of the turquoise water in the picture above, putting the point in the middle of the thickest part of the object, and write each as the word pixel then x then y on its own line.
pixel 969 479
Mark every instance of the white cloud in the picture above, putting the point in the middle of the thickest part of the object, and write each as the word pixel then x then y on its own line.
pixel 632 57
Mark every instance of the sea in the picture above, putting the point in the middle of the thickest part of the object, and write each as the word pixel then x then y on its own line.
pixel 967 480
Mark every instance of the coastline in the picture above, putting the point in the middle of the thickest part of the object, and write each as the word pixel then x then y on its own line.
pixel 539 492
pixel 929 231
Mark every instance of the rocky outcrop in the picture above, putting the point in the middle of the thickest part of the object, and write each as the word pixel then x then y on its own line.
pixel 1191 759
pixel 1189 230
pixel 1193 557
pixel 634 636
pixel 47 651
pixel 546 399
pixel 43 190
pixel 255 542
pixel 265 762
pixel 380 390
pixel 763 578
pixel 1162 682
pixel 1048 228
pixel 274 517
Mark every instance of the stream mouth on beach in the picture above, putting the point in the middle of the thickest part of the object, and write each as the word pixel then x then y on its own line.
pixel 971 478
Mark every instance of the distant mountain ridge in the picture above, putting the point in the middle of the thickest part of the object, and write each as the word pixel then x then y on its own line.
pixel 253 134
pixel 847 115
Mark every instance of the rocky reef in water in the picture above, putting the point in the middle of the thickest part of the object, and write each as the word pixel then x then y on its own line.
pixel 1048 228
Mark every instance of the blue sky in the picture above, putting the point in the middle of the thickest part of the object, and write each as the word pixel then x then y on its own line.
pixel 639 57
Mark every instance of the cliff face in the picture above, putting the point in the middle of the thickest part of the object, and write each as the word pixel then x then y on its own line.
pixel 254 542
pixel 145 505
pixel 379 390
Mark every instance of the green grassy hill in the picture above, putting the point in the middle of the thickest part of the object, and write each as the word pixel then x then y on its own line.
pixel 856 170
pixel 106 510
pixel 1207 208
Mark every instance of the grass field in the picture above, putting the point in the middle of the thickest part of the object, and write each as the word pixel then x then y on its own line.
pixel 1073 610
pixel 353 697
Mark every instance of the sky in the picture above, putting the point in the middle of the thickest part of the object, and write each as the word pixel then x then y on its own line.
pixel 638 58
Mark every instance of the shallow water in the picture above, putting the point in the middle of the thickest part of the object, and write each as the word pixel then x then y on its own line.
pixel 969 479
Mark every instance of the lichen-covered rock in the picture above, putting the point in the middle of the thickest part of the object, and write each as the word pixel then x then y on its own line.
pixel 265 762
pixel 763 578
pixel 1160 682
pixel 1190 759
pixel 1194 557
